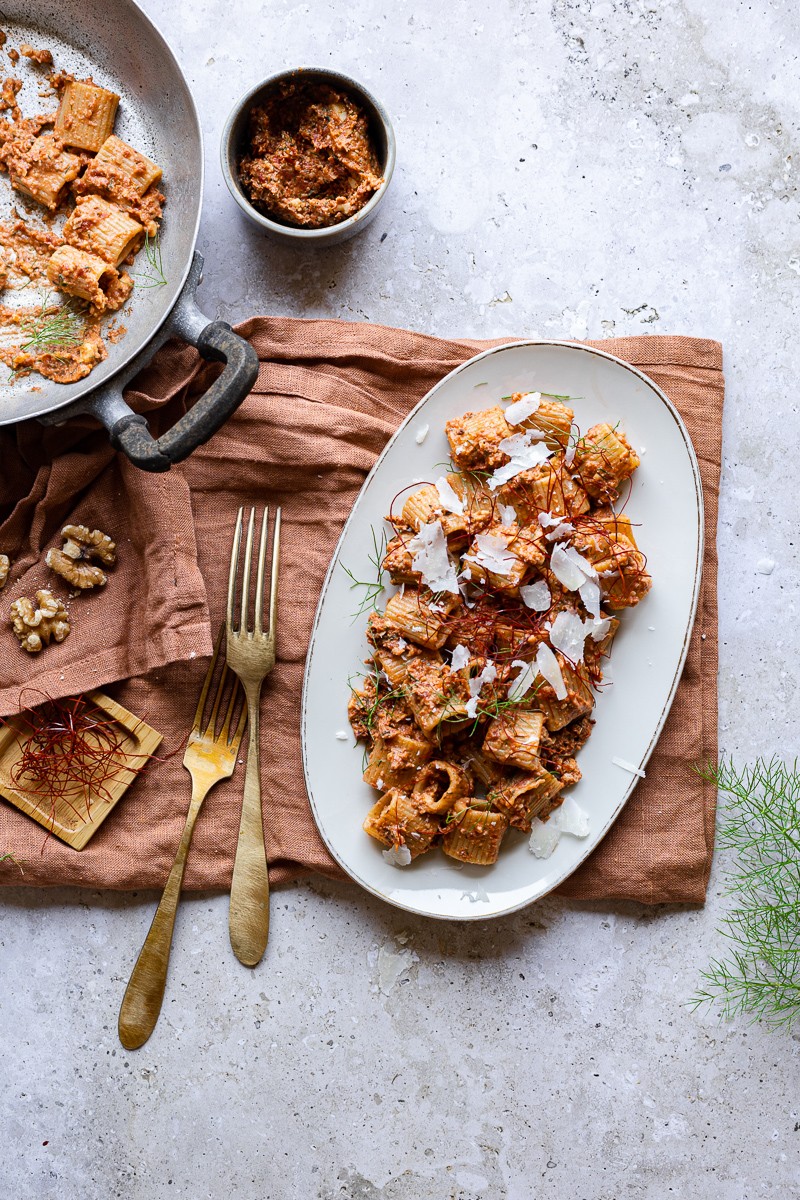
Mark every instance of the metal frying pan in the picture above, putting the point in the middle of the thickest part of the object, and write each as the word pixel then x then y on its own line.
pixel 121 49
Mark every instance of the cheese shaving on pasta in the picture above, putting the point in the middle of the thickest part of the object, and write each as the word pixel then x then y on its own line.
pixel 568 634
pixel 524 453
pixel 431 559
pixel 492 554
pixel 548 668
pixel 450 501
pixel 460 659
pixel 570 568
pixel 523 408
pixel 536 596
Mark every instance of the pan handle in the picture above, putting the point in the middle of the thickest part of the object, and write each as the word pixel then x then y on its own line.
pixel 216 342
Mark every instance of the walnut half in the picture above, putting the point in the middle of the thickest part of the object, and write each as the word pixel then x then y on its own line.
pixel 5 567
pixel 82 549
pixel 37 627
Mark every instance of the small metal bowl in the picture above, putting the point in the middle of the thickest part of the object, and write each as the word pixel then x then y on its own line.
pixel 234 139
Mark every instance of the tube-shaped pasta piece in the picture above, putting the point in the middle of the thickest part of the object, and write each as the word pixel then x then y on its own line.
pixel 578 702
pixel 103 229
pixel 485 769
pixel 86 276
pixel 394 666
pixel 439 785
pixel 422 506
pixel 525 796
pixel 514 738
pixel 426 505
pixel 548 488
pixel 503 563
pixel 408 750
pixel 85 116
pixel 617 526
pixel 117 159
pixel 396 821
pixel 413 619
pixel 379 772
pixel 437 696
pixel 45 171
pixel 475 439
pixel 474 836
pixel 396 561
pixel 553 418
pixel 624 579
pixel 604 458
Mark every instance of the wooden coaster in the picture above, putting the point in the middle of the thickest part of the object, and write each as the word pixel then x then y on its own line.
pixel 76 818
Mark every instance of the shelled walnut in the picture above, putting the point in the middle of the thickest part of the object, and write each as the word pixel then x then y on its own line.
pixel 5 567
pixel 82 549
pixel 37 627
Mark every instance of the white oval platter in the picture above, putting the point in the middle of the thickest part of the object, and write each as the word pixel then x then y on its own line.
pixel 648 654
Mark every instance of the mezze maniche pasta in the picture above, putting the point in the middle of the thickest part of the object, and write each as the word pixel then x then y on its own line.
pixel 486 660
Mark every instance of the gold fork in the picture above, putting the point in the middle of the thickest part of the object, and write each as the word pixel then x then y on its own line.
pixel 251 654
pixel 210 756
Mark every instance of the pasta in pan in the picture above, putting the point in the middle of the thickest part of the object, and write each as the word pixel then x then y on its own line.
pixel 485 663
pixel 99 205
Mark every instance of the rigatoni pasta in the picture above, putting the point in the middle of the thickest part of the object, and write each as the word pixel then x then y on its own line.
pixel 485 663
pixel 86 113
pixel 102 202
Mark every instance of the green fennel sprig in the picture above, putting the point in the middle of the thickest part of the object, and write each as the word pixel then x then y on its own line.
pixel 154 276
pixel 760 975
pixel 373 589
pixel 54 327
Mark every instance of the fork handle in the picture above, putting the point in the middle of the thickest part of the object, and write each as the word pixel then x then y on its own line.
pixel 144 994
pixel 248 917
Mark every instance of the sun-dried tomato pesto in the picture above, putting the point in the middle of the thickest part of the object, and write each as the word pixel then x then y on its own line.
pixel 310 159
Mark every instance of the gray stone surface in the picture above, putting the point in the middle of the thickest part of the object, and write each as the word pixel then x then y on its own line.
pixel 565 168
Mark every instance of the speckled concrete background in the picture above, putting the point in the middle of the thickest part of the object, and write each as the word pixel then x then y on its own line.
pixel 624 166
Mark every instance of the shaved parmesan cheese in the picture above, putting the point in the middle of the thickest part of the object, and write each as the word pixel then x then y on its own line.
pixel 401 644
pixel 570 568
pixel 520 410
pixel 569 817
pixel 422 433
pixel 431 559
pixel 544 838
pixel 523 452
pixel 460 659
pixel 521 684
pixel 536 596
pixel 398 856
pixel 572 445
pixel 548 668
pixel 561 531
pixel 508 515
pixel 572 818
pixel 599 628
pixel 450 501
pixel 567 634
pixel 589 592
pixel 547 520
pixel 487 675
pixel 492 554
pixel 626 766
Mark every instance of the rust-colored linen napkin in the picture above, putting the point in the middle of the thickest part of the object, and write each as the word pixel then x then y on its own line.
pixel 328 396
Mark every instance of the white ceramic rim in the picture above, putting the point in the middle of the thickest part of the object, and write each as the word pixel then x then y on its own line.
pixel 698 567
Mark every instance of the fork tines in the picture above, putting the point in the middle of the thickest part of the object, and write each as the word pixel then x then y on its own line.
pixel 208 728
pixel 243 622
